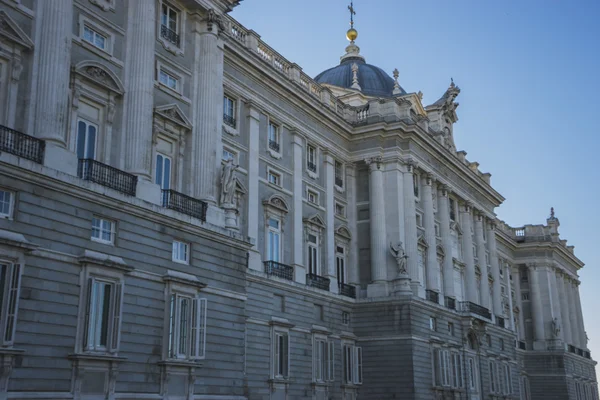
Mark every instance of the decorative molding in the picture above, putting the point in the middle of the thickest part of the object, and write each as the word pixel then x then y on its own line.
pixel 11 31
pixel 99 74
pixel 175 114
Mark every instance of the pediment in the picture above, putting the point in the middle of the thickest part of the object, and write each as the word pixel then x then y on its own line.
pixel 277 203
pixel 456 227
pixel 422 242
pixel 440 251
pixel 11 31
pixel 173 113
pixel 315 220
pixel 100 75
pixel 344 232
pixel 240 187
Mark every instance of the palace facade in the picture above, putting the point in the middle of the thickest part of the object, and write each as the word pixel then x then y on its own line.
pixel 185 214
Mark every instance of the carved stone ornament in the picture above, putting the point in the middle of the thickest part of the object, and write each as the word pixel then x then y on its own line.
pixel 400 255
pixel 98 74
pixel 373 162
pixel 213 18
pixel 555 327
pixel 228 184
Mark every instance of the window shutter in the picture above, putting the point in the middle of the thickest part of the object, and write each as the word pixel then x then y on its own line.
pixel 331 361
pixel 276 357
pixel 286 353
pixel 13 304
pixel 88 307
pixel 358 365
pixel 116 326
pixel 202 305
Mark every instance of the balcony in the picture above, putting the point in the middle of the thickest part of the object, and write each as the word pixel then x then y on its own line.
pixel 280 270
pixel 184 204
pixel 21 145
pixel 501 322
pixel 317 281
pixel 311 166
pixel 468 307
pixel 105 175
pixel 273 145
pixel 347 290
pixel 229 120
pixel 432 296
pixel 169 35
pixel 450 303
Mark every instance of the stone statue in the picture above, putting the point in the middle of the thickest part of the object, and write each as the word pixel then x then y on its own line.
pixel 555 327
pixel 400 256
pixel 228 183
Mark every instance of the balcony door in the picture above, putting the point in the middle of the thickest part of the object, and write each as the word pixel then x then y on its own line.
pixel 163 171
pixel 340 260
pixel 86 139
pixel 274 240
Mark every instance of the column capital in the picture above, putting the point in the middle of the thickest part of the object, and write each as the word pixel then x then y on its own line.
pixel 467 207
pixel 411 165
pixel 445 189
pixel 531 265
pixel 479 216
pixel 374 163
pixel 350 168
pixel 491 224
pixel 429 179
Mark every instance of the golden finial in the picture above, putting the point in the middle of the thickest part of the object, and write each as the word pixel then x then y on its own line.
pixel 352 33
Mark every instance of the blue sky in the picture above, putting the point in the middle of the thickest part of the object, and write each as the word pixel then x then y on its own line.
pixel 529 108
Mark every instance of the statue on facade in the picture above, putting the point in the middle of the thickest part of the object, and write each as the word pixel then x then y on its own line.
pixel 555 327
pixel 228 183
pixel 400 256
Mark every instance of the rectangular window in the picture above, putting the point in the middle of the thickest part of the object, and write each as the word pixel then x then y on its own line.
pixel 229 111
pixel 345 318
pixel 312 197
pixel 450 328
pixel 86 139
pixel 432 324
pixel 281 355
pixel 311 158
pixel 313 255
pixel 169 18
pixel 6 203
pixel 103 315
pixel 340 261
pixel 457 371
pixel 507 377
pixel 502 344
pixel 163 171
pixel 352 364
pixel 472 373
pixel 181 252
pixel 187 327
pixel 340 210
pixel 103 230
pixel 228 155
pixel 168 80
pixel 339 174
pixel 323 360
pixel 10 285
pixel 95 38
pixel 274 240
pixel 274 178
pixel 274 137
pixel 443 364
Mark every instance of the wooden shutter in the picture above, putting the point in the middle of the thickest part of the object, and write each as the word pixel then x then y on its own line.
pixel 357 365
pixel 14 283
pixel 116 323
pixel 88 307
pixel 330 361
pixel 285 355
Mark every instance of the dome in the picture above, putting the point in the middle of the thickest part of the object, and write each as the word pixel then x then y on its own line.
pixel 373 80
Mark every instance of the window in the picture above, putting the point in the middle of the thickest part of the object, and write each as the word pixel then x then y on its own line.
pixel 168 80
pixel 86 139
pixel 313 254
pixel 274 178
pixel 281 355
pixel 103 315
pixel 323 360
pixel 6 203
pixel 432 324
pixel 187 327
pixel 352 360
pixel 181 252
pixel 311 158
pixel 448 368
pixel 103 230
pixel 340 210
pixel 228 155
pixel 525 296
pixel 340 261
pixel 488 340
pixel 472 373
pixel 274 136
pixel 163 171
pixel 94 37
pixel 345 318
pixel 274 240
pixel 229 111
pixel 437 230
pixel 450 328
pixel 508 380
pixel 452 207
pixel 416 185
pixel 169 24
pixel 502 344
pixel 10 285
pixel 339 174
pixel 313 197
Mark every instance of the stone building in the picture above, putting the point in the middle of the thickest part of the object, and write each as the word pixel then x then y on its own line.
pixel 185 214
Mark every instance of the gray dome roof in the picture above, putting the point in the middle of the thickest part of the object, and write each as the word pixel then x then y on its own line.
pixel 373 80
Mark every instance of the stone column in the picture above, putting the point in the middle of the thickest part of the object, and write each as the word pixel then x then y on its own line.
pixel 353 273
pixel 496 305
pixel 139 96
pixel 467 241
pixel 575 332
pixel 555 303
pixel 298 237
pixel 330 269
pixel 433 278
pixel 485 283
pixel 564 308
pixel 537 309
pixel 206 103
pixel 444 216
pixel 583 336
pixel 410 228
pixel 393 177
pixel 253 132
pixel 518 299
pixel 379 243
pixel 507 275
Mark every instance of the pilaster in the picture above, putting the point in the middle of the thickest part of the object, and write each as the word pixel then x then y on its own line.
pixel 393 177
pixel 564 307
pixel 537 308
pixel 298 239
pixel 410 227
pixel 518 299
pixel 444 216
pixel 583 336
pixel 433 276
pixel 496 305
pixel 556 322
pixel 253 132
pixel 378 232
pixel 330 221
pixel 485 284
pixel 353 272
pixel 507 275
pixel 467 238
pixel 573 319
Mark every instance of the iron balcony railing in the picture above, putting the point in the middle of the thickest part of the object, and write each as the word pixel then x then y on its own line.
pixel 571 349
pixel 339 181
pixel 229 120
pixel 280 270
pixel 450 303
pixel 347 290
pixel 501 322
pixel 317 281
pixel 22 145
pixel 311 166
pixel 105 175
pixel 169 35
pixel 184 204
pixel 273 145
pixel 522 345
pixel 468 307
pixel 432 296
